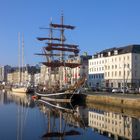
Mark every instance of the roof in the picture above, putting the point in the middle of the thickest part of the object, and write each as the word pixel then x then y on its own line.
pixel 121 50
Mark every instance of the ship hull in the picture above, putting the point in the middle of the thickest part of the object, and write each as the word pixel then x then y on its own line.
pixel 23 89
pixel 67 97
pixel 20 89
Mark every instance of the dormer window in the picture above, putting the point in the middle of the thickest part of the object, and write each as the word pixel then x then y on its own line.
pixel 109 53
pixel 101 54
pixel 115 52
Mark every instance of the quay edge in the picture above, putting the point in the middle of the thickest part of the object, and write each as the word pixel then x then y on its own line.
pixel 119 100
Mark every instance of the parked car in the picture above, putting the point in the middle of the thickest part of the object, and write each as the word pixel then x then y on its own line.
pixel 132 90
pixel 106 89
pixel 95 89
pixel 124 90
pixel 116 90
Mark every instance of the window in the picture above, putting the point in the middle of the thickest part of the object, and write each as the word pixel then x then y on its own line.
pixel 127 65
pixel 136 57
pixel 135 73
pixel 119 73
pixel 128 73
pixel 97 76
pixel 112 73
pixel 124 58
pixel 119 58
pixel 108 74
pixel 115 73
pixel 127 57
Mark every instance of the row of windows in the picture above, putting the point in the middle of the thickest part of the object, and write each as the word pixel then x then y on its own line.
pixel 116 66
pixel 110 60
pixel 109 122
pixel 120 74
pixel 96 76
pixel 108 67
pixel 96 69
pixel 113 116
pixel 115 130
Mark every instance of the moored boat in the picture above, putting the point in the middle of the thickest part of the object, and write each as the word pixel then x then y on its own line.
pixel 20 89
pixel 58 58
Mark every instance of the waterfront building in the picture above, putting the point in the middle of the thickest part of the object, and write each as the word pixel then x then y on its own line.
pixel 114 125
pixel 68 75
pixel 14 78
pixel 115 67
pixel 71 75
pixel 3 72
pixel 25 75
pixel 48 76
pixel 37 78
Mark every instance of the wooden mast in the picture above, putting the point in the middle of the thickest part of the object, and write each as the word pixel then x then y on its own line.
pixel 61 52
pixel 58 53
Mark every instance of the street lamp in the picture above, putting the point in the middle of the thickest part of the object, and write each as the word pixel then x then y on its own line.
pixel 123 78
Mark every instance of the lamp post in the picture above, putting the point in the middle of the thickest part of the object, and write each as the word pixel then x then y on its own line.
pixel 124 78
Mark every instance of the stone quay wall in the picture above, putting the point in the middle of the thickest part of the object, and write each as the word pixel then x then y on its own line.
pixel 120 101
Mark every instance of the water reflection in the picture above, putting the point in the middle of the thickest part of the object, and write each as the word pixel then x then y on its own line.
pixel 114 125
pixel 18 117
pixel 63 119
pixel 41 120
pixel 7 97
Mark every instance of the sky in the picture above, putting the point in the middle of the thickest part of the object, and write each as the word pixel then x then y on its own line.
pixel 100 24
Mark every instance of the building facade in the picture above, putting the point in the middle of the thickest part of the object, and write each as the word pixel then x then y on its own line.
pixel 115 67
pixel 4 70
pixel 65 76
pixel 71 75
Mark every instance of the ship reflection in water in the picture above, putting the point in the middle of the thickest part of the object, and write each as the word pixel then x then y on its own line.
pixel 41 120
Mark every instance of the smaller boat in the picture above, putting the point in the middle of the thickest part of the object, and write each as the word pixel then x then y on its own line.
pixel 21 86
pixel 21 89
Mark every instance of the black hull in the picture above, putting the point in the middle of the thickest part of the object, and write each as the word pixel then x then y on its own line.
pixel 74 98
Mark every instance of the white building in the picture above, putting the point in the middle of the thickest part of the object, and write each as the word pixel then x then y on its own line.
pixel 115 67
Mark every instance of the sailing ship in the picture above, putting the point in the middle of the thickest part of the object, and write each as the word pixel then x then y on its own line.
pixel 58 55
pixel 21 87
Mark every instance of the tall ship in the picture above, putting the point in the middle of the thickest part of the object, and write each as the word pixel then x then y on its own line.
pixel 60 60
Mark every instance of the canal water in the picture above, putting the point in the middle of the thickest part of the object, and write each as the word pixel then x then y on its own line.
pixel 21 118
